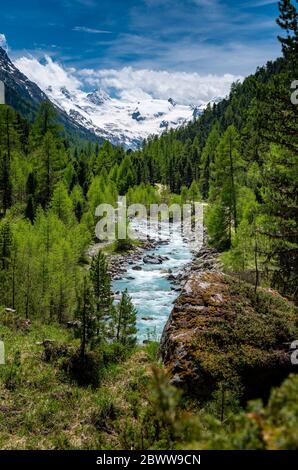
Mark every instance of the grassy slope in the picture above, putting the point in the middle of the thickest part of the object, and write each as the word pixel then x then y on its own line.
pixel 40 408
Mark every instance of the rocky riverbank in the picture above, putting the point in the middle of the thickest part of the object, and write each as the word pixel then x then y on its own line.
pixel 221 336
pixel 119 262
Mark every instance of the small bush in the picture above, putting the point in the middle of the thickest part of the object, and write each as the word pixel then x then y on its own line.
pixel 53 351
pixel 123 245
pixel 105 414
pixel 152 349
pixel 11 373
pixel 114 353
pixel 85 370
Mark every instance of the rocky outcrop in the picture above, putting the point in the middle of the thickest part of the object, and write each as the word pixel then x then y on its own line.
pixel 206 259
pixel 220 335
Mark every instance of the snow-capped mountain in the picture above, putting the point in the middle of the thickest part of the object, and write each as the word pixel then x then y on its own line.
pixel 122 121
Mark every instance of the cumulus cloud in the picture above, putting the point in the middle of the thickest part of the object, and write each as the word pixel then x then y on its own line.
pixel 184 87
pixel 48 73
pixel 3 42
pixel 128 83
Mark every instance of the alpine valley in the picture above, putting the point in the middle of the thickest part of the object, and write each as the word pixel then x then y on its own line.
pixel 148 289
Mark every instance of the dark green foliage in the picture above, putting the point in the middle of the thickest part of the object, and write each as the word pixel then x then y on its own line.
pixel 45 122
pixel 86 313
pixel 123 245
pixel 12 374
pixel 6 187
pixel 30 208
pixel 101 282
pixel 84 369
pixel 124 321
pixel 5 245
pixel 280 223
pixel 226 178
pixel 288 21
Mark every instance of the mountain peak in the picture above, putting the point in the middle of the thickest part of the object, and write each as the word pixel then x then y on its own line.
pixel 3 52
pixel 4 57
pixel 172 102
pixel 98 97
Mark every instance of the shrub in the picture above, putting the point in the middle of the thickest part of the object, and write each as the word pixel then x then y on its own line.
pixel 85 370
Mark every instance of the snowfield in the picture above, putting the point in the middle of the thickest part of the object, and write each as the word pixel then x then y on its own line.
pixel 122 121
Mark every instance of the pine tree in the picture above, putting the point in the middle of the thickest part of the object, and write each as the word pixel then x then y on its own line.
pixel 184 195
pixel 9 136
pixel 5 244
pixel 46 122
pixel 225 184
pixel 125 321
pixel 78 201
pixel 9 146
pixel 280 225
pixel 61 204
pixel 51 163
pixel 288 21
pixel 278 126
pixel 31 184
pixel 6 184
pixel 85 312
pixel 194 193
pixel 126 175
pixel 101 283
pixel 207 160
pixel 30 209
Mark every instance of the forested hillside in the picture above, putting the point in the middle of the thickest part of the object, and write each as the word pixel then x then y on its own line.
pixel 240 156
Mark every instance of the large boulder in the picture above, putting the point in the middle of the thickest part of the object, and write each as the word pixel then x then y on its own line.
pixel 154 259
pixel 221 335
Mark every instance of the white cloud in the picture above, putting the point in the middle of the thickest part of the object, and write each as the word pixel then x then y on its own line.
pixel 262 3
pixel 3 42
pixel 85 29
pixel 128 83
pixel 185 88
pixel 48 73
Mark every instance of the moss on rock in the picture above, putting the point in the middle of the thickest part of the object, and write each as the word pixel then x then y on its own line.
pixel 222 335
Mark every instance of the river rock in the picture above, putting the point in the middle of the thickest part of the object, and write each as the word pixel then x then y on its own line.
pixel 220 334
pixel 153 259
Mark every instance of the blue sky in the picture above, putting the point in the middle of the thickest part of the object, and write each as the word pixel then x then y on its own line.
pixel 207 36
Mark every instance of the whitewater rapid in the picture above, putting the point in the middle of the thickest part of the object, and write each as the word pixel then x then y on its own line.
pixel 150 288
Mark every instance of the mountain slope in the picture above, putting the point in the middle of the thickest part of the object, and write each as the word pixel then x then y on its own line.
pixel 95 115
pixel 125 117
pixel 25 96
pixel 122 121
